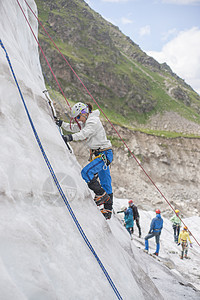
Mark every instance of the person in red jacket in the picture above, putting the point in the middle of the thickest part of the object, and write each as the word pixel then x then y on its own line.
pixel 136 216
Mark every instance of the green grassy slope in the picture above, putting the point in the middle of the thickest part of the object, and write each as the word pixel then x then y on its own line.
pixel 128 85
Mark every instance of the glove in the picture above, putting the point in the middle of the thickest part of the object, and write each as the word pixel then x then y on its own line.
pixel 149 231
pixel 191 245
pixel 178 244
pixel 67 138
pixel 59 122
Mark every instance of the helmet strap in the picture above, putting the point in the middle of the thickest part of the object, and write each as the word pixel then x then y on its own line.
pixel 72 121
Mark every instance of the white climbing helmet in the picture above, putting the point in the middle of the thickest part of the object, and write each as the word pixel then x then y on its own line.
pixel 78 108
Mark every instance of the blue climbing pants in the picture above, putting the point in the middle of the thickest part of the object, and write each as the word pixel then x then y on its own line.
pixel 97 166
pixel 157 237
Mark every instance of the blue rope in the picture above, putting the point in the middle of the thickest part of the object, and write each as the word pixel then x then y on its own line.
pixel 58 185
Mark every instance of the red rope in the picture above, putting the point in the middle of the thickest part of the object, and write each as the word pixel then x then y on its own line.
pixel 43 53
pixel 102 113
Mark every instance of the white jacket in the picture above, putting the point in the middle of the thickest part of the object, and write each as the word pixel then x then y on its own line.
pixel 92 131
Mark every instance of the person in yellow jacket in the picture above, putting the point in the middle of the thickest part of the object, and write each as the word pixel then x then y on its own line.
pixel 183 240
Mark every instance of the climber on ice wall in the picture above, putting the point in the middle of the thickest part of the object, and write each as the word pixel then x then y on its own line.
pixel 89 128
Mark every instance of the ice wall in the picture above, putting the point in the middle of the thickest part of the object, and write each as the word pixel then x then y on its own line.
pixel 42 254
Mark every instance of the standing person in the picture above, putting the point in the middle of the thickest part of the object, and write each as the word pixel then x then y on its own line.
pixel 128 219
pixel 155 230
pixel 182 239
pixel 176 225
pixel 136 216
pixel 90 129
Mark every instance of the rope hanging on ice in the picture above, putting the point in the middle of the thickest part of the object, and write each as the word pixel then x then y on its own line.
pixel 58 184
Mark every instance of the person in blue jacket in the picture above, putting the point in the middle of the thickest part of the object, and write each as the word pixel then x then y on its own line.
pixel 155 230
pixel 128 218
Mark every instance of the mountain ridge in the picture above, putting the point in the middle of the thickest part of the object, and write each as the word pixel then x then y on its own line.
pixel 123 78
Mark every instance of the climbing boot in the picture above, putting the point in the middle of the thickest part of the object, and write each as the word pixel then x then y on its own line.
pixel 101 196
pixel 101 199
pixel 106 213
pixel 96 187
pixel 109 204
pixel 107 210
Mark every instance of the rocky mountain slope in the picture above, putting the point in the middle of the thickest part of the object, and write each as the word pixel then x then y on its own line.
pixel 119 75
pixel 172 164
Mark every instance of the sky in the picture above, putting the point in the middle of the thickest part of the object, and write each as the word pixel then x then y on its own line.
pixel 42 254
pixel 168 30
